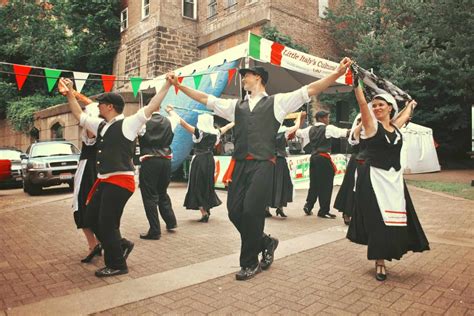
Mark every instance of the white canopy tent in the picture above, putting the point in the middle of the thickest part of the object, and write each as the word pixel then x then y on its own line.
pixel 418 152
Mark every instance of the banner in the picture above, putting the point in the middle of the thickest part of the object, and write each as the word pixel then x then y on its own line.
pixel 277 54
pixel 298 166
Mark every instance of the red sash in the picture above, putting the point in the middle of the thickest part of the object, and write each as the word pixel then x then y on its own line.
pixel 122 180
pixel 230 170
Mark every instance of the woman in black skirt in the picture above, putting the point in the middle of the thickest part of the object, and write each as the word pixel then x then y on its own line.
pixel 201 194
pixel 345 202
pixel 282 192
pixel 85 177
pixel 384 217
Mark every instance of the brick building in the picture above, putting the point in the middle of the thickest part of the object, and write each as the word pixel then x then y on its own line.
pixel 159 36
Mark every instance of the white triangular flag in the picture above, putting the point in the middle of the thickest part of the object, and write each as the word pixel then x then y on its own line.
pixel 80 79
pixel 213 78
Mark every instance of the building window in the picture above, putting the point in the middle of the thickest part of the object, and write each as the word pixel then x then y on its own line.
pixel 212 8
pixel 231 3
pixel 124 20
pixel 145 9
pixel 190 9
pixel 57 131
pixel 322 8
pixel 251 1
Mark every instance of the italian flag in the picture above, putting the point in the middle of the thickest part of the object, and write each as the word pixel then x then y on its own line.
pixel 265 50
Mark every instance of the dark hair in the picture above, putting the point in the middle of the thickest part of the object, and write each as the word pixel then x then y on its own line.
pixel 321 114
pixel 118 109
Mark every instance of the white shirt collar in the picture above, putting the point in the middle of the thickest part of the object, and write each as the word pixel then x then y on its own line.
pixel 318 124
pixel 259 95
pixel 117 118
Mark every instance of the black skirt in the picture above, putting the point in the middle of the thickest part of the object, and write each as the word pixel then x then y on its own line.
pixel 368 228
pixel 201 192
pixel 282 192
pixel 88 178
pixel 345 197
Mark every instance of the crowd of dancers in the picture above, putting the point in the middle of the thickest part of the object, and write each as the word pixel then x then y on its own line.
pixel 373 197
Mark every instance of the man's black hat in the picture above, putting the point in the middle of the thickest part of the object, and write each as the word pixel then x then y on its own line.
pixel 111 98
pixel 257 71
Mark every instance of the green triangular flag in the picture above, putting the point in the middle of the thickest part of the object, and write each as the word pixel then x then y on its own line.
pixel 136 82
pixel 254 46
pixel 52 76
pixel 197 80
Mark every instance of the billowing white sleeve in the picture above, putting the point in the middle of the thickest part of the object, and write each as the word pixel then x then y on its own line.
pixel 224 108
pixel 289 102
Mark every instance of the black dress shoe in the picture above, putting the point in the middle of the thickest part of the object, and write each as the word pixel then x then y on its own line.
pixel 127 247
pixel 171 227
pixel 268 254
pixel 267 213
pixel 326 216
pixel 150 236
pixel 332 215
pixel 248 273
pixel 97 251
pixel 347 219
pixel 108 272
pixel 307 210
pixel 204 219
pixel 380 272
pixel 279 211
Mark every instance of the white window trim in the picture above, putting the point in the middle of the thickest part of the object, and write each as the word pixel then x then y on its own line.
pixel 209 16
pixel 194 10
pixel 143 9
pixel 323 6
pixel 121 20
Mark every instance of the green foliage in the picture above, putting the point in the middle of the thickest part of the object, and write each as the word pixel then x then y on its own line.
pixel 21 111
pixel 74 34
pixel 424 47
pixel 271 33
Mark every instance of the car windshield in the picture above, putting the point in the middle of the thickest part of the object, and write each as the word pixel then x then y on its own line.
pixel 9 154
pixel 53 149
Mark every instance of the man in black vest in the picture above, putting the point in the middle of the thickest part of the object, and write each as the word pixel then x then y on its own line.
pixel 321 167
pixel 257 119
pixel 155 172
pixel 115 184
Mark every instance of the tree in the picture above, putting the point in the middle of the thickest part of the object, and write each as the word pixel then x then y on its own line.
pixel 76 35
pixel 423 47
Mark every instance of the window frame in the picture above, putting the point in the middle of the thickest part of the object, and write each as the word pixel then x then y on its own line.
pixel 122 29
pixel 145 7
pixel 194 2
pixel 211 4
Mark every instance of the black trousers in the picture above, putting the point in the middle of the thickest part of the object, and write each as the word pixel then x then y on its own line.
pixel 249 193
pixel 155 175
pixel 321 176
pixel 103 216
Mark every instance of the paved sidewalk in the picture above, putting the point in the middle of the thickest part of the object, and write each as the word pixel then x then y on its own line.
pixel 42 249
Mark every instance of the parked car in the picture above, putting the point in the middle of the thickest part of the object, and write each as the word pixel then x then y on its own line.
pixel 5 167
pixel 14 178
pixel 49 163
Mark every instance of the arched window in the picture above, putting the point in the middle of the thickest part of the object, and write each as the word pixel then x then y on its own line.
pixel 57 131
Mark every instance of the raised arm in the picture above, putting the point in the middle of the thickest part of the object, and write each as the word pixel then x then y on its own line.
pixel 66 88
pixel 183 123
pixel 295 127
pixel 320 85
pixel 155 102
pixel 196 95
pixel 227 127
pixel 405 115
pixel 366 118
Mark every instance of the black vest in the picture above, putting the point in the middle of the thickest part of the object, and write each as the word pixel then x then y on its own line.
pixel 382 153
pixel 255 132
pixel 114 150
pixel 158 136
pixel 88 152
pixel 318 140
pixel 206 145
pixel 281 145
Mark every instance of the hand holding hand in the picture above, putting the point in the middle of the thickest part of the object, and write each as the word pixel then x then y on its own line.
pixel 169 108
pixel 65 85
pixel 343 65
pixel 172 78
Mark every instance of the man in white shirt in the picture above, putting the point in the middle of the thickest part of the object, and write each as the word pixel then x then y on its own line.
pixel 257 120
pixel 322 169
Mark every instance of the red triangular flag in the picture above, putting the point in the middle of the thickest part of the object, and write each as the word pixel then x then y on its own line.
pixel 231 75
pixel 21 73
pixel 108 82
pixel 180 79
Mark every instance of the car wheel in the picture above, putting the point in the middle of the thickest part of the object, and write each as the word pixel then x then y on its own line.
pixel 32 189
pixel 71 186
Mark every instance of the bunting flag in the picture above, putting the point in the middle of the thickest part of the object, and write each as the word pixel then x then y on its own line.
pixel 21 73
pixel 180 79
pixel 231 75
pixel 136 82
pixel 197 81
pixel 108 82
pixel 213 78
pixel 80 79
pixel 52 75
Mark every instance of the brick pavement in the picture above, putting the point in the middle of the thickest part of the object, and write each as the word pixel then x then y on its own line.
pixel 42 248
